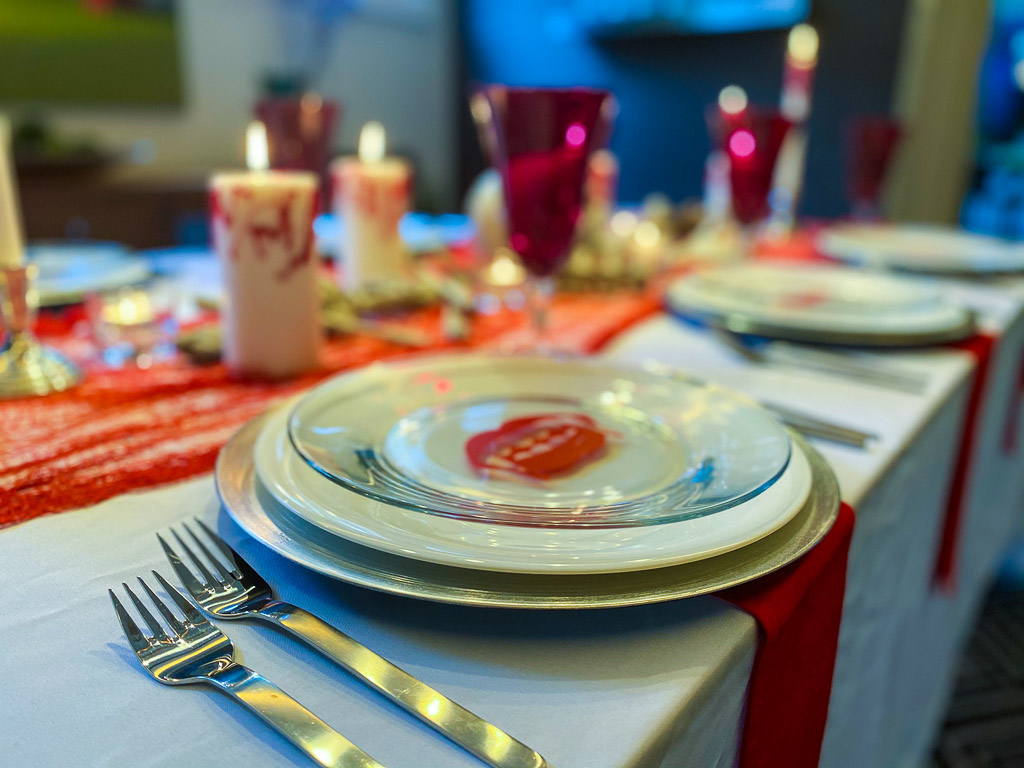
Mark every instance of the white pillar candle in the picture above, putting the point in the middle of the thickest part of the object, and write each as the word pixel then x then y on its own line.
pixel 797 86
pixel 798 74
pixel 371 194
pixel 10 222
pixel 263 233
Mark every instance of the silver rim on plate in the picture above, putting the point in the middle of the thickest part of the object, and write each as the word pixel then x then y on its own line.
pixel 737 322
pixel 258 514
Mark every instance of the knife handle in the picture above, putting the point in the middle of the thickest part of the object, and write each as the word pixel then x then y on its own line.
pixel 472 733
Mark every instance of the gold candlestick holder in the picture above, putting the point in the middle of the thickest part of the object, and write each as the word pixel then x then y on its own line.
pixel 27 367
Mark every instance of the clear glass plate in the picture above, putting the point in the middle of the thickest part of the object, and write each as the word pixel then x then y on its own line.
pixel 538 441
pixel 517 549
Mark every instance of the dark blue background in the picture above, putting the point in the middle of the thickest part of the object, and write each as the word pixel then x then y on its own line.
pixel 664 82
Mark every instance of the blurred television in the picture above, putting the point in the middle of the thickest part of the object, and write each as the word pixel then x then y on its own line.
pixel 625 18
pixel 89 52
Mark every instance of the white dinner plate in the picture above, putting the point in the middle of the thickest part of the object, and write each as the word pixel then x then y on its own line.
pixel 819 303
pixel 921 248
pixel 69 272
pixel 484 546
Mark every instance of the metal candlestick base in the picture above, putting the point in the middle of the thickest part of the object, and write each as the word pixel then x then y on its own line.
pixel 27 367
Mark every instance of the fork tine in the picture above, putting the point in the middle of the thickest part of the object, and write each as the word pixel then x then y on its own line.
pixel 222 572
pixel 184 572
pixel 176 626
pixel 131 630
pixel 149 618
pixel 198 563
pixel 191 612
pixel 225 549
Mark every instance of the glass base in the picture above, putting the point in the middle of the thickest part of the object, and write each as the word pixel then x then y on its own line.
pixel 27 368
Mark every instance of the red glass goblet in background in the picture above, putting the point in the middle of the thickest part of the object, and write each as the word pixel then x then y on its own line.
pixel 539 140
pixel 871 142
pixel 753 150
pixel 299 133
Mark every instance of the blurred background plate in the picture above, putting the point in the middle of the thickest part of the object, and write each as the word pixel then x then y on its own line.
pixel 69 272
pixel 921 248
pixel 818 303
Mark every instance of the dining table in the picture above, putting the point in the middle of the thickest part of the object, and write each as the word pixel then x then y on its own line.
pixel 637 687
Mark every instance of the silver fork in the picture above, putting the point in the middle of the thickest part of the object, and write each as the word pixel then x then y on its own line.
pixel 196 652
pixel 238 592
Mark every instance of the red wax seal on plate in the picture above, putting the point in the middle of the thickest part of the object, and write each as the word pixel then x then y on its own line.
pixel 538 447
pixel 804 300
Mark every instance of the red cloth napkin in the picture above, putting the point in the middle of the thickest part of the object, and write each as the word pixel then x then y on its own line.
pixel 981 348
pixel 798 610
pixel 128 429
pixel 1011 430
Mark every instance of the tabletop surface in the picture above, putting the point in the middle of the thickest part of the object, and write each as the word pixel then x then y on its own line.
pixel 658 685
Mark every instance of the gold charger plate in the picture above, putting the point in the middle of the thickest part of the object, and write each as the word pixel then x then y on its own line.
pixel 260 515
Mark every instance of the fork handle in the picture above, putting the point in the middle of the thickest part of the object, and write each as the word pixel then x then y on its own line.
pixel 472 733
pixel 323 744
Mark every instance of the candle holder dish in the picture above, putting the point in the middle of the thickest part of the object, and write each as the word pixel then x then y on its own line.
pixel 27 367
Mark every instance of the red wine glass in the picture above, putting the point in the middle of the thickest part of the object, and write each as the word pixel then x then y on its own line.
pixel 539 140
pixel 871 142
pixel 753 149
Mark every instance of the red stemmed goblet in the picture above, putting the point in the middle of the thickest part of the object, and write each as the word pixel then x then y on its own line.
pixel 871 142
pixel 539 140
pixel 299 133
pixel 753 150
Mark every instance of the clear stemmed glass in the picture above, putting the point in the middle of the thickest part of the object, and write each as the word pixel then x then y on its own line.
pixel 539 140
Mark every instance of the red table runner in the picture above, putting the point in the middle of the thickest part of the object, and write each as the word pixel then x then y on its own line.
pixel 128 429
pixel 798 611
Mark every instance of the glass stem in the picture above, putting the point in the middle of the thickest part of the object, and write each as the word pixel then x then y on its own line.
pixel 539 291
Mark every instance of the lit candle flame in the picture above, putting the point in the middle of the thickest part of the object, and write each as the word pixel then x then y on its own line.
pixel 257 152
pixel 803 45
pixel 371 142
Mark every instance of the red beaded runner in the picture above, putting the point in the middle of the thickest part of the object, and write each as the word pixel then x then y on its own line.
pixel 129 429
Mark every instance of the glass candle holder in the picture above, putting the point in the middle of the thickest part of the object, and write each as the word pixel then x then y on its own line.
pixel 134 325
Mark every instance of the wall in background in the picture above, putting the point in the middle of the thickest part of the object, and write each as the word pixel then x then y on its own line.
pixel 393 67
pixel 664 83
pixel 937 98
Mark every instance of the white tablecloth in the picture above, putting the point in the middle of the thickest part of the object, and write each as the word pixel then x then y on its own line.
pixel 654 686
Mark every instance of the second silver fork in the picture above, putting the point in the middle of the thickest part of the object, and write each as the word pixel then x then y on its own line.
pixel 190 650
pixel 239 592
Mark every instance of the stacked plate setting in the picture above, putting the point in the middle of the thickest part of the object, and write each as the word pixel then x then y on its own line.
pixel 820 303
pixel 527 482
